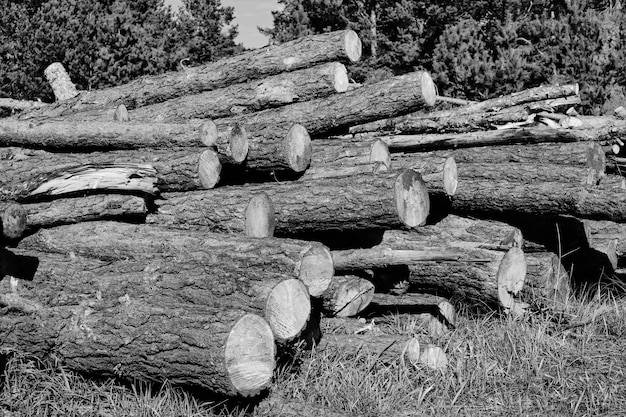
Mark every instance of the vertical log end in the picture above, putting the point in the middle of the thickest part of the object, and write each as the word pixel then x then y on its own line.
pixel 238 142
pixel 297 148
pixel 411 197
pixel 450 176
pixel 14 221
pixel 353 46
pixel 347 296
pixel 317 269
pixel 380 155
pixel 339 76
pixel 121 114
pixel 511 276
pixel 428 89
pixel 250 355
pixel 288 309
pixel 208 133
pixel 209 169
pixel 260 216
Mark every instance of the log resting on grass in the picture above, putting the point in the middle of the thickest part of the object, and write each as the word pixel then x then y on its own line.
pixel 608 238
pixel 386 348
pixel 77 136
pixel 427 142
pixel 175 169
pixel 347 296
pixel 309 261
pixel 323 116
pixel 488 197
pixel 547 280
pixel 225 351
pixel 251 96
pixel 82 209
pixel 368 201
pixel 253 64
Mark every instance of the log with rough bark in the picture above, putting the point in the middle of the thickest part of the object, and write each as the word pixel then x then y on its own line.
pixel 175 169
pixel 227 351
pixel 347 296
pixel 487 197
pixel 20 105
pixel 474 113
pixel 456 121
pixel 310 262
pixel 439 173
pixel 77 136
pixel 608 238
pixel 426 142
pixel 547 280
pixel 367 201
pixel 253 64
pixel 386 348
pixel 322 116
pixel 60 81
pixel 14 218
pixel 82 209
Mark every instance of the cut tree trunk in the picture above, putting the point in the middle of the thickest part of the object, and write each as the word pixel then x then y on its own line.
pixel 175 169
pixel 82 209
pixel 20 105
pixel 608 238
pixel 534 98
pixel 226 351
pixel 347 296
pixel 439 174
pixel 547 280
pixel 309 261
pixel 14 218
pixel 426 142
pixel 105 136
pixel 60 81
pixel 253 64
pixel 498 198
pixel 368 201
pixel 323 116
pixel 386 348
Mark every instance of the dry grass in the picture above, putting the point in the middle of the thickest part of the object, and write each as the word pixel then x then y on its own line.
pixel 571 363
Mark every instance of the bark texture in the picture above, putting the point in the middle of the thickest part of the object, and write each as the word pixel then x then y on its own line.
pixel 609 238
pixel 373 201
pixel 254 64
pixel 347 296
pixel 547 280
pixel 60 81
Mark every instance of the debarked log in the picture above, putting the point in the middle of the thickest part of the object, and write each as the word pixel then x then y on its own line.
pixel 301 53
pixel 176 169
pixel 309 261
pixel 225 351
pixel 81 209
pixel 78 136
pixel 367 201
pixel 346 296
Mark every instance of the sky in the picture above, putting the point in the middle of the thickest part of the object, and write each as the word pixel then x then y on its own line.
pixel 248 15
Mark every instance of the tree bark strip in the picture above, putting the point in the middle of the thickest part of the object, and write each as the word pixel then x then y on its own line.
pixel 373 201
pixel 300 53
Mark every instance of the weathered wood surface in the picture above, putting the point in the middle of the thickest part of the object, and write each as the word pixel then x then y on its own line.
pixel 226 351
pixel 14 218
pixel 60 81
pixel 175 169
pixel 253 64
pixel 20 105
pixel 308 261
pixel 322 116
pixel 439 173
pixel 78 136
pixel 608 238
pixel 547 280
pixel 426 142
pixel 368 201
pixel 346 296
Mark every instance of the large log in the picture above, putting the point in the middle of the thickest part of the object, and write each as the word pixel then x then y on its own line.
pixel 227 351
pixel 487 197
pixel 322 116
pixel 82 209
pixel 309 261
pixel 426 142
pixel 77 136
pixel 368 201
pixel 253 64
pixel 175 169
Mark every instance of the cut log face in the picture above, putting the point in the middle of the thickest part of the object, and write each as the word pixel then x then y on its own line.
pixel 298 148
pixel 209 169
pixel 511 277
pixel 317 270
pixel 121 114
pixel 260 216
pixel 439 173
pixel 288 310
pixel 14 221
pixel 412 201
pixel 347 296
pixel 608 238
pixel 60 81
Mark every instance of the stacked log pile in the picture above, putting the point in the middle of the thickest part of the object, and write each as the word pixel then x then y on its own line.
pixel 186 226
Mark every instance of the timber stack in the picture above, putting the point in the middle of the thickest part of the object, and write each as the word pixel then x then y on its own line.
pixel 185 226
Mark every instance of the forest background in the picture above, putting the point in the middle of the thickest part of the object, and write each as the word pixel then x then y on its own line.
pixel 474 49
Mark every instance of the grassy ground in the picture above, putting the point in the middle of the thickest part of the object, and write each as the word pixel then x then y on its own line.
pixel 571 363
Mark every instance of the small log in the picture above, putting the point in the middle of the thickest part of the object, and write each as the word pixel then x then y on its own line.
pixel 60 81
pixel 260 216
pixel 323 116
pixel 427 142
pixel 76 136
pixel 381 257
pixel 14 221
pixel 120 114
pixel 347 296
pixel 367 201
pixel 20 105
pixel 608 238
pixel 82 209
pixel 547 280
pixel 305 52
pixel 439 174
pixel 278 90
pixel 311 262
pixel 226 351
pixel 269 152
pixel 500 198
